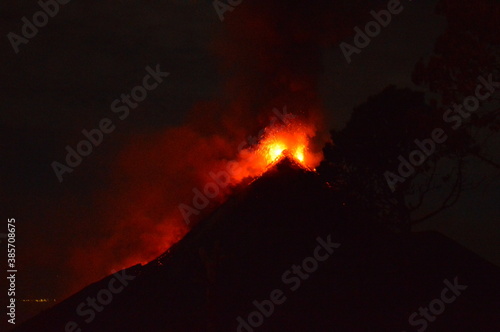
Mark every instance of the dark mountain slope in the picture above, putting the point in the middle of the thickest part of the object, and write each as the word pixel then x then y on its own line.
pixel 241 253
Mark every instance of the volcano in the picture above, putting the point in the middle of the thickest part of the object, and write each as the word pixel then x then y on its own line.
pixel 286 253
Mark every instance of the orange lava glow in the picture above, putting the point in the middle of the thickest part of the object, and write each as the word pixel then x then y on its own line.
pixel 146 229
pixel 292 140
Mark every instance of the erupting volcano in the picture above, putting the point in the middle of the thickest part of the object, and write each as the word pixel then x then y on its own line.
pixel 269 55
pixel 292 140
pixel 217 277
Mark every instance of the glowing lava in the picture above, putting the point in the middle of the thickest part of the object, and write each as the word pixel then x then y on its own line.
pixel 293 138
pixel 275 150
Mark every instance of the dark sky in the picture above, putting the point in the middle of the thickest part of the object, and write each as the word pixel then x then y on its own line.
pixel 65 79
pixel 473 221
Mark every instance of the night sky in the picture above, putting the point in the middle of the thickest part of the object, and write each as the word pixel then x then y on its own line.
pixel 65 79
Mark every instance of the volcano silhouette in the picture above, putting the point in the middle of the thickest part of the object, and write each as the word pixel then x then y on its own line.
pixel 241 257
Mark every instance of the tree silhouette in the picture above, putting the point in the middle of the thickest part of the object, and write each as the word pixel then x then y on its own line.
pixel 380 130
pixel 468 48
pixel 386 126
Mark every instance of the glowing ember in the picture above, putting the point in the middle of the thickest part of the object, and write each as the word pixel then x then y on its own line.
pixel 274 146
pixel 292 140
pixel 299 153
pixel 275 150
pixel 215 184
